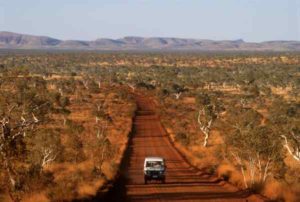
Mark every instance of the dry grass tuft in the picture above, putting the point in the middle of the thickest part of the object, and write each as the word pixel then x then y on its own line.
pixel 89 189
pixel 40 197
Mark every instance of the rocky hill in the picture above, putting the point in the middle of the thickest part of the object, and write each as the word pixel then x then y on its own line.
pixel 9 40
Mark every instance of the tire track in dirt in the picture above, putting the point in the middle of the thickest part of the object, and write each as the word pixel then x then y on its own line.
pixel 183 182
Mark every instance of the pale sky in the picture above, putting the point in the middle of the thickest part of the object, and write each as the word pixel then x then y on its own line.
pixel 251 20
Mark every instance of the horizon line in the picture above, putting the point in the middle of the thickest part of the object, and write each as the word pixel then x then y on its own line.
pixel 148 37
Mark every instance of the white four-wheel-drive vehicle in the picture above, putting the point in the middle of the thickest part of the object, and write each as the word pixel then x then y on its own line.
pixel 154 169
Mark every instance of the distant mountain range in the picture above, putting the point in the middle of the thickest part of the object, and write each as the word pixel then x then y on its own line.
pixel 9 40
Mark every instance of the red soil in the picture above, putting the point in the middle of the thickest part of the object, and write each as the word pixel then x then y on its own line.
pixel 183 181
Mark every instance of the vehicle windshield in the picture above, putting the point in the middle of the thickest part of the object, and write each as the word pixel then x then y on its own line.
pixel 154 164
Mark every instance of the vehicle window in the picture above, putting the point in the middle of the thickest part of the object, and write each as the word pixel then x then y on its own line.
pixel 154 164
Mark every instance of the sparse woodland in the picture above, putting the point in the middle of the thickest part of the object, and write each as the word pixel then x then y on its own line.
pixel 65 118
pixel 61 138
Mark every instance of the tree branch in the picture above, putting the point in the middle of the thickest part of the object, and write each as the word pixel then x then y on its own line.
pixel 295 154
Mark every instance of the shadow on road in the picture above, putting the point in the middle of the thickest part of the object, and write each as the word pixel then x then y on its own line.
pixel 184 181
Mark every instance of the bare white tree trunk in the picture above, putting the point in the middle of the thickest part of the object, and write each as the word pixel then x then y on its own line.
pixel 296 151
pixel 61 92
pixel 266 170
pixel 100 132
pixel 104 127
pixel 244 176
pixel 64 120
pixel 100 136
pixel 259 167
pixel 243 102
pixel 205 139
pixel 240 163
pixel 177 95
pixel 205 128
pixel 35 119
pixel 85 84
pixel 11 179
pixel 224 85
pixel 252 170
pixel 132 87
pixel 99 107
pixel 48 157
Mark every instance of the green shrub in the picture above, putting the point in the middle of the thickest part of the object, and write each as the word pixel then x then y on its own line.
pixel 182 138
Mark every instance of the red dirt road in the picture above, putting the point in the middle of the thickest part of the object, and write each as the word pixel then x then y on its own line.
pixel 183 182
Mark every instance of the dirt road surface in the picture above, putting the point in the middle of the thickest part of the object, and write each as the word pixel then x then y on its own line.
pixel 183 182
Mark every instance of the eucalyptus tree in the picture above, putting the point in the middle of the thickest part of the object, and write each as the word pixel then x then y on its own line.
pixel 22 109
pixel 210 107
pixel 102 145
pixel 254 147
pixel 285 118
